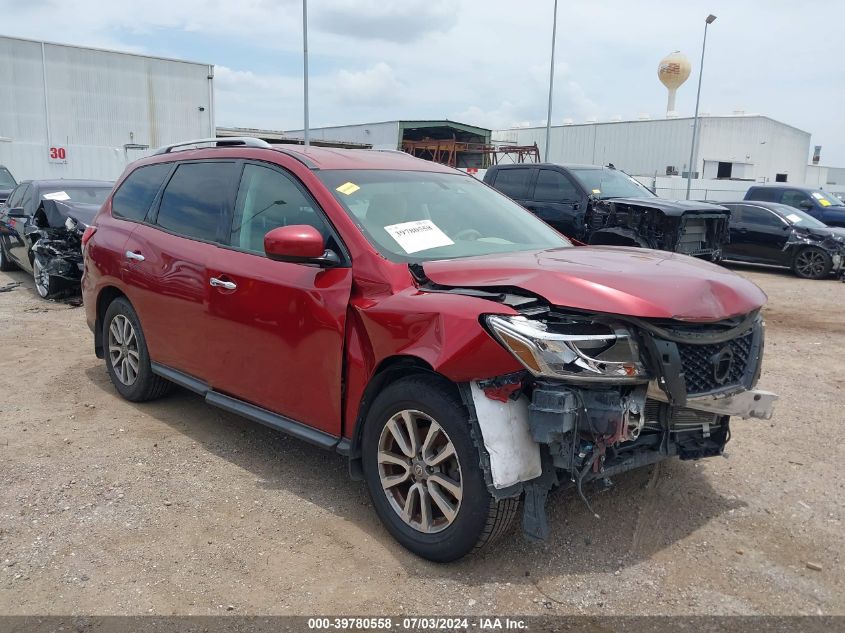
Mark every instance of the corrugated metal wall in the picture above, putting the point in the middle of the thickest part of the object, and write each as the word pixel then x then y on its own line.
pixel 97 102
pixel 648 147
pixel 384 135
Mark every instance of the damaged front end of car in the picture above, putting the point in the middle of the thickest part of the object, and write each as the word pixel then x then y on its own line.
pixel 664 225
pixel 56 238
pixel 603 394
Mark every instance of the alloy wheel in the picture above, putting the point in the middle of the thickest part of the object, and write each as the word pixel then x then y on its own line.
pixel 811 263
pixel 123 350
pixel 419 471
pixel 41 278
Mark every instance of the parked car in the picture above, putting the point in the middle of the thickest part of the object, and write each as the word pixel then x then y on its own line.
pixel 457 350
pixel 820 204
pixel 602 205
pixel 41 225
pixel 7 183
pixel 772 233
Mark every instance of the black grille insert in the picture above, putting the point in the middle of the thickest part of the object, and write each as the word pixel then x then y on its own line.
pixel 700 363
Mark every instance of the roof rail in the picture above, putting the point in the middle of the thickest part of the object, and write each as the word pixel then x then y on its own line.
pixel 393 151
pixel 224 141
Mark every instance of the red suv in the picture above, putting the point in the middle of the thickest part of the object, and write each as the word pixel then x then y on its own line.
pixel 461 353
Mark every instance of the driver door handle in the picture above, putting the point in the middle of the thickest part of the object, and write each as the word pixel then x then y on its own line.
pixel 136 256
pixel 220 283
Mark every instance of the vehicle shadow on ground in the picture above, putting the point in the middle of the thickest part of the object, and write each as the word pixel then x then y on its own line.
pixel 743 267
pixel 646 511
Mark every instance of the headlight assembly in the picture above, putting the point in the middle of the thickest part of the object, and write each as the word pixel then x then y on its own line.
pixel 580 351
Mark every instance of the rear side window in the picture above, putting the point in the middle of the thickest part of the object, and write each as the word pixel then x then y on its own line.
pixel 764 193
pixel 761 217
pixel 136 194
pixel 553 186
pixel 513 182
pixel 195 199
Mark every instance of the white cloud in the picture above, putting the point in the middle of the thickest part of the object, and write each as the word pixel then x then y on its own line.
pixel 377 84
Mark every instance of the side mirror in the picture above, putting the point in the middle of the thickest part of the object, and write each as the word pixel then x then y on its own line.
pixel 805 204
pixel 299 244
pixel 17 212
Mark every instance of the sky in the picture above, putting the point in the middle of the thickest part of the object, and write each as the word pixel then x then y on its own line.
pixel 483 62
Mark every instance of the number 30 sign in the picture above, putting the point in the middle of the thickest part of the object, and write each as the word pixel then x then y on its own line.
pixel 58 155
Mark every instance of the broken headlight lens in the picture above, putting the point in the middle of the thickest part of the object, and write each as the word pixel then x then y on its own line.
pixel 578 350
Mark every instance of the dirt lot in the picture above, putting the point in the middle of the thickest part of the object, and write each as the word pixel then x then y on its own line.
pixel 174 507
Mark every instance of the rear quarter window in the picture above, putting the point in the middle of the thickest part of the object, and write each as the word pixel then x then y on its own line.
pixel 135 196
pixel 765 194
pixel 513 182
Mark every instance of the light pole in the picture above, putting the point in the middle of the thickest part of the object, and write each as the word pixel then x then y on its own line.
pixel 693 159
pixel 305 135
pixel 551 87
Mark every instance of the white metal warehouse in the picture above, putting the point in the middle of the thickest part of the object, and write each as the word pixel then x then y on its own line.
pixel 73 112
pixel 748 147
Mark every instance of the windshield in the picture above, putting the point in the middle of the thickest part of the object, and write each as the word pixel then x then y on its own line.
pixel 610 183
pixel 417 216
pixel 6 180
pixel 827 199
pixel 89 195
pixel 798 217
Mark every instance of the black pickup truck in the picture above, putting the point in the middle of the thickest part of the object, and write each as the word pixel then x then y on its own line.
pixel 603 205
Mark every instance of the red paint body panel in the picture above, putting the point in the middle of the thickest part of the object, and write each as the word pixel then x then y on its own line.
pixel 277 340
pixel 612 279
pixel 305 342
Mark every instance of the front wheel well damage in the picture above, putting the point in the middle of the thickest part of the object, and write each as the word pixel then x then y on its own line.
pixel 104 299
pixel 389 371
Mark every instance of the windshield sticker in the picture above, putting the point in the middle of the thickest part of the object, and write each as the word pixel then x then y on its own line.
pixel 418 236
pixel 824 203
pixel 597 191
pixel 795 219
pixel 348 188
pixel 56 195
pixel 817 195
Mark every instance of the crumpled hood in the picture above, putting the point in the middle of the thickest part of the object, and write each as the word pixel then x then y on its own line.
pixel 58 211
pixel 671 207
pixel 611 279
pixel 827 232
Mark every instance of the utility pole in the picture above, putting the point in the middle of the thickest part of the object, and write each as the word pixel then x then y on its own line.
pixel 305 136
pixel 693 158
pixel 551 87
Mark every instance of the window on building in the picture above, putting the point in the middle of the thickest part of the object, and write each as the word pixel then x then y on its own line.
pixel 780 177
pixel 724 170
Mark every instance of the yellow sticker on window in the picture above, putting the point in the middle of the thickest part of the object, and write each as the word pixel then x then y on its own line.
pixel 824 203
pixel 348 188
pixel 596 191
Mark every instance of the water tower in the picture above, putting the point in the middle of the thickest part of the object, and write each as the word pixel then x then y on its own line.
pixel 673 70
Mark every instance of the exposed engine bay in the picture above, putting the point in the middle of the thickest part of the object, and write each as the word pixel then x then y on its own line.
pixel 603 394
pixel 660 225
pixel 56 236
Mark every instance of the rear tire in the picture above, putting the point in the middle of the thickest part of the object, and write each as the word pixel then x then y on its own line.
pixel 6 264
pixel 812 263
pixel 126 355
pixel 403 473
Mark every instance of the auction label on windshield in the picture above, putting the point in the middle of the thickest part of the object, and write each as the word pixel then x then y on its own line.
pixel 417 236
pixel 56 195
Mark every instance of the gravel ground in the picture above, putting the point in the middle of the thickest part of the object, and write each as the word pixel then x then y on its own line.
pixel 173 507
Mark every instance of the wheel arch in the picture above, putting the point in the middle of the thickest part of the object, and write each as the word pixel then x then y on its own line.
pixel 104 299
pixel 388 371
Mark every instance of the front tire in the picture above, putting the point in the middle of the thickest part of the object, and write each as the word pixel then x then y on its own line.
pixel 6 264
pixel 812 263
pixel 126 355
pixel 422 471
pixel 44 285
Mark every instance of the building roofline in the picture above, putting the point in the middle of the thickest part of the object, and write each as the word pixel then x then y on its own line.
pixel 403 122
pixel 106 50
pixel 679 118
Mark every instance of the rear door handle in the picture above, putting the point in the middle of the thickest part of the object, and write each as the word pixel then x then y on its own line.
pixel 220 283
pixel 136 256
